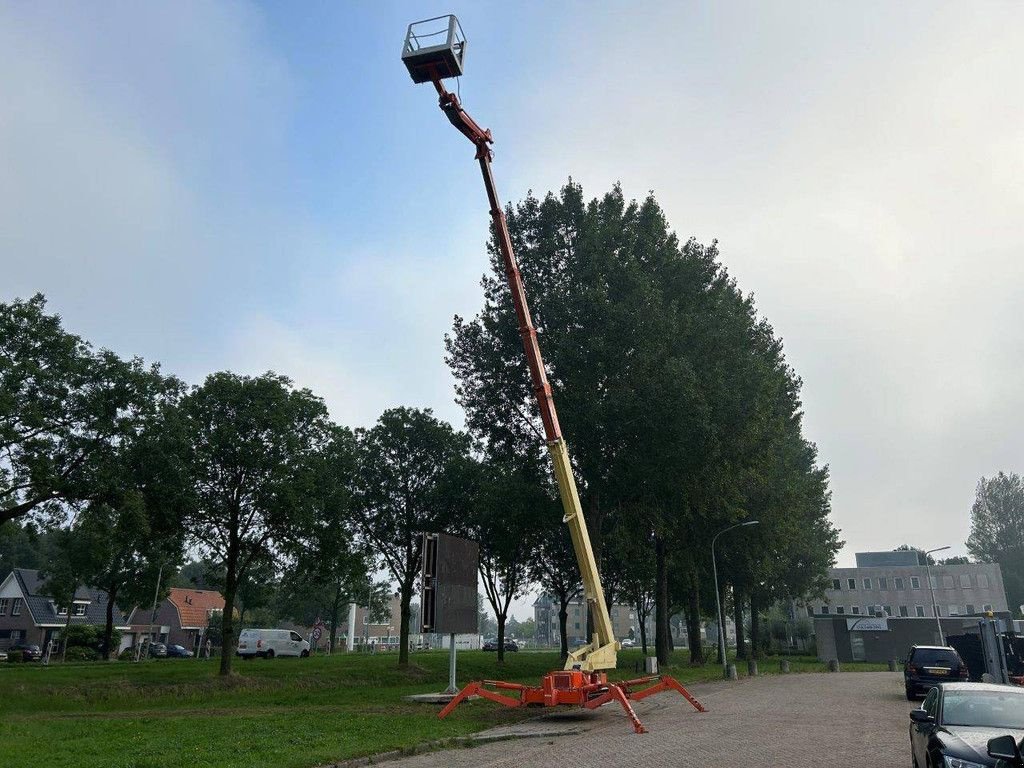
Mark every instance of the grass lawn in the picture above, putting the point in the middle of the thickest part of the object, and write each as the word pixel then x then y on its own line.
pixel 279 713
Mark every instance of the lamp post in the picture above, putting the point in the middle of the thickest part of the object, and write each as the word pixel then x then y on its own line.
pixel 718 598
pixel 935 608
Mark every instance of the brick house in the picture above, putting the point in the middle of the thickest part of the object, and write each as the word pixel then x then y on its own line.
pixel 181 618
pixel 30 616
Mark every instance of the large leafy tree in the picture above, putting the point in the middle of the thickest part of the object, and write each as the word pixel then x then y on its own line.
pixel 250 446
pixel 413 476
pixel 64 411
pixel 997 530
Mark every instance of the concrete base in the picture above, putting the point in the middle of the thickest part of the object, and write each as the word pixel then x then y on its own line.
pixel 432 698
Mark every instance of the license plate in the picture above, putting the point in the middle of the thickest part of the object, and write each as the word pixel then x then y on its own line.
pixel 937 671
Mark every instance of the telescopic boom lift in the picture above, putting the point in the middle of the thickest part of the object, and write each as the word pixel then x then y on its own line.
pixel 434 51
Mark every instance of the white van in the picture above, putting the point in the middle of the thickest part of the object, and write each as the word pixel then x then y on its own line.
pixel 270 643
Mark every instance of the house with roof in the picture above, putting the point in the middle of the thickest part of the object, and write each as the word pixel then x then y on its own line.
pixel 180 619
pixel 29 615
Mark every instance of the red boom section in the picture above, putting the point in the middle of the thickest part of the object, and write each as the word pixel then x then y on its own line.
pixel 527 331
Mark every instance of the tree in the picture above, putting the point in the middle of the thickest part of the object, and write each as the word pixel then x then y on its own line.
pixel 412 477
pixel 507 507
pixel 64 410
pixel 997 530
pixel 250 446
pixel 555 568
pixel 485 625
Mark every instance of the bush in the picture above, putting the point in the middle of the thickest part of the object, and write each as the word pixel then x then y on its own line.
pixel 14 656
pixel 81 653
pixel 81 635
pixel 128 654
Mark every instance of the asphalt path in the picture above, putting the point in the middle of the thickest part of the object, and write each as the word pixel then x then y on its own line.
pixel 838 719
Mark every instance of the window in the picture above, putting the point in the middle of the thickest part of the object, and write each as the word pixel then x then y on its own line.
pixel 915 583
pixel 810 611
pixel 933 582
pixel 882 583
pixel 3 606
pixel 15 635
pixel 982 581
pixel 937 611
pixel 79 609
pixel 840 610
pixel 965 581
pixel 904 611
pixel 824 610
pixel 947 582
pixel 577 625
pixel 898 583
pixel 856 610
pixel 295 636
pixel 851 583
pixel 61 610
pixel 986 607
pixel 954 610
pixel 888 610
pixel 836 584
pixel 931 702
pixel 919 611
pixel 867 583
pixel 16 607
pixel 970 609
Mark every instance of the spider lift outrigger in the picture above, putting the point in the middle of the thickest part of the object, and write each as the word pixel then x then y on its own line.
pixel 434 50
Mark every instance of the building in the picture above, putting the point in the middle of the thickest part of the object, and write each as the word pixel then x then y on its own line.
pixel 545 615
pixel 182 618
pixel 896 584
pixel 29 615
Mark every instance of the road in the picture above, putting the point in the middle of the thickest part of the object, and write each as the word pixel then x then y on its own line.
pixel 848 719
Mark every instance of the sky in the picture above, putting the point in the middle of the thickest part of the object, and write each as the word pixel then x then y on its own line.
pixel 259 186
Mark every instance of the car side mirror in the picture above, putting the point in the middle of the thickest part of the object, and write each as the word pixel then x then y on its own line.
pixel 921 716
pixel 1004 748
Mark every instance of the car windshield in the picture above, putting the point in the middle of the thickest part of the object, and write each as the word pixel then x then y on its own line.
pixel 989 709
pixel 929 656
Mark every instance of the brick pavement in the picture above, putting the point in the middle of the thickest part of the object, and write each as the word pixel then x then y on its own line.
pixel 848 719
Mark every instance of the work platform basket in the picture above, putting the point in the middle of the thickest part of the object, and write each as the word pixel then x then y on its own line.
pixel 434 49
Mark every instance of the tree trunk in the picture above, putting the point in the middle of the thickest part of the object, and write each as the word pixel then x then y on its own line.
pixel 403 635
pixel 108 628
pixel 693 620
pixel 737 610
pixel 500 618
pixel 671 634
pixel 720 633
pixel 661 626
pixel 641 616
pixel 227 619
pixel 755 629
pixel 563 625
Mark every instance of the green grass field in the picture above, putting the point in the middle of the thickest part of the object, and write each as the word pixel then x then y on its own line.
pixel 280 713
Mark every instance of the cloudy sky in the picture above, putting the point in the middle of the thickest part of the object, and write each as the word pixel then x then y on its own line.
pixel 255 186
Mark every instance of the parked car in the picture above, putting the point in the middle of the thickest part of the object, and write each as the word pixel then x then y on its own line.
pixel 178 652
pixel 510 645
pixel 955 723
pixel 28 652
pixel 628 643
pixel 3 655
pixel 929 665
pixel 270 643
pixel 157 651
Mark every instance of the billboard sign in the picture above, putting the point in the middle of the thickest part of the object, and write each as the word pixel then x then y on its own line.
pixel 448 597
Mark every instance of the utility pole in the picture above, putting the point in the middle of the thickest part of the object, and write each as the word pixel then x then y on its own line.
pixel 718 597
pixel 935 608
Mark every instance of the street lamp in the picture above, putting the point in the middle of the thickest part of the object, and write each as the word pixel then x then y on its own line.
pixel 718 599
pixel 935 608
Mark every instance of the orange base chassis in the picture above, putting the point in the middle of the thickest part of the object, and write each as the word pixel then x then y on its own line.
pixel 574 688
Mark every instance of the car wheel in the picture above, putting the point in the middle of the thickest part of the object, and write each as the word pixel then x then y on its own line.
pixel 304 654
pixel 270 653
pixel 911 696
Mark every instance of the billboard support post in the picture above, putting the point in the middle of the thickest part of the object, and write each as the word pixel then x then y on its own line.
pixel 452 687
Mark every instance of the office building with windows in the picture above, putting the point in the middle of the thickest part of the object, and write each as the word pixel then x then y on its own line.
pixel 896 584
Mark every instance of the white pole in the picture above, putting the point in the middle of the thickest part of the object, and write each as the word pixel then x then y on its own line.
pixel 452 687
pixel 350 641
pixel 935 608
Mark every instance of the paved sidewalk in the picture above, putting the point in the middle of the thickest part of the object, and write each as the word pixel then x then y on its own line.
pixel 849 719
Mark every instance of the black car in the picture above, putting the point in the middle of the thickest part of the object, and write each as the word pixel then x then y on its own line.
pixel 510 645
pixel 28 652
pixel 178 652
pixel 953 727
pixel 157 650
pixel 929 665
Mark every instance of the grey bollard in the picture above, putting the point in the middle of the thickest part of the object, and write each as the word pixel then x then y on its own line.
pixel 833 665
pixel 784 666
pixel 732 672
pixel 892 665
pixel 752 668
